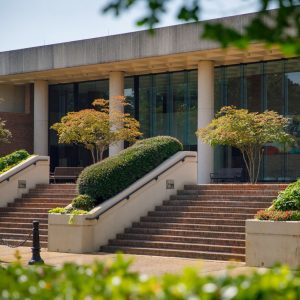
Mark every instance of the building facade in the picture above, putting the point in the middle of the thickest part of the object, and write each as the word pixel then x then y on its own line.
pixel 174 81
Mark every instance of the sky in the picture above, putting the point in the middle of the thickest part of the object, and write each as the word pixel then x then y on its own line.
pixel 29 23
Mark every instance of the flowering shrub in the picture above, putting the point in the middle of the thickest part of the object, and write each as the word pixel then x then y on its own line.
pixel 277 215
pixel 114 280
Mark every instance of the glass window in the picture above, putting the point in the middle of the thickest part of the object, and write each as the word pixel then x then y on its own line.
pixel 129 95
pixel 179 107
pixel 273 163
pixel 160 104
pixel 12 98
pixel 61 101
pixel 253 87
pixel 292 78
pixel 192 116
pixel 145 106
pixel 233 91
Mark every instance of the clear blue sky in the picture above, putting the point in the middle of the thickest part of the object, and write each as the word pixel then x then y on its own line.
pixel 27 23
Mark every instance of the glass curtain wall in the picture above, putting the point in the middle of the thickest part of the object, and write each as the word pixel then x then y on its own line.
pixel 64 98
pixel 273 85
pixel 168 106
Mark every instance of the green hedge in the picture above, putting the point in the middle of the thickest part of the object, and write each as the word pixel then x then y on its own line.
pixel 107 178
pixel 10 160
pixel 114 280
pixel 289 199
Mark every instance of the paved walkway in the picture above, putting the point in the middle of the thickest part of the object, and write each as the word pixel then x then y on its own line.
pixel 151 265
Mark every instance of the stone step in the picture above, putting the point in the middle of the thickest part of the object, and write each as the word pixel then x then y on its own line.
pixel 179 246
pixel 12 242
pixel 23 210
pixel 197 212
pixel 57 186
pixel 49 196
pixel 41 200
pixel 22 219
pixel 18 236
pixel 194 221
pixel 238 186
pixel 218 215
pixel 186 203
pixel 187 230
pixel 219 192
pixel 32 216
pixel 236 197
pixel 19 225
pixel 182 239
pixel 23 230
pixel 200 227
pixel 175 253
pixel 45 205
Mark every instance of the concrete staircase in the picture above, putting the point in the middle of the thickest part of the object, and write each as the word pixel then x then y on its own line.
pixel 16 219
pixel 201 221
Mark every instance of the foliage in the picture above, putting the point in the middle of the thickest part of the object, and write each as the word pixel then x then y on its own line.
pixel 248 132
pixel 65 211
pixel 11 160
pixel 83 202
pixel 278 215
pixel 5 134
pixel 289 199
pixel 115 280
pixel 111 176
pixel 272 28
pixel 95 129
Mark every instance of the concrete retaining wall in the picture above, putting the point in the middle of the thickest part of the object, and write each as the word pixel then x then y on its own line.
pixel 269 242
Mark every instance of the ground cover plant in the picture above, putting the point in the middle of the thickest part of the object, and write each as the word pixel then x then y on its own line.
pixel 109 177
pixel 286 207
pixel 115 280
pixel 11 160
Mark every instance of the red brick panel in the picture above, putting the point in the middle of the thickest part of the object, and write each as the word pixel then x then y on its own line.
pixel 21 127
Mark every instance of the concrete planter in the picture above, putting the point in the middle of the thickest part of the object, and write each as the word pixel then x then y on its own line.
pixel 270 242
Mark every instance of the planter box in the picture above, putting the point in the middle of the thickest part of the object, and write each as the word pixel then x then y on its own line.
pixel 270 242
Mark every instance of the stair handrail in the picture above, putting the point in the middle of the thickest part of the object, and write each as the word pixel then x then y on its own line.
pixel 187 154
pixel 32 160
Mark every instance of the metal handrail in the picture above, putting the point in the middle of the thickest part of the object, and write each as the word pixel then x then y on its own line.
pixel 22 169
pixel 138 188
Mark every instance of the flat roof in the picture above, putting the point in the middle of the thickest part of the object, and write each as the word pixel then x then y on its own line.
pixel 170 48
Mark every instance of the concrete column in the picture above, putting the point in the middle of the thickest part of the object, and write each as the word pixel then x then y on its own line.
pixel 205 115
pixel 41 130
pixel 116 88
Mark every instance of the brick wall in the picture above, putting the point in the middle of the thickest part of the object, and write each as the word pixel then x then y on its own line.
pixel 21 127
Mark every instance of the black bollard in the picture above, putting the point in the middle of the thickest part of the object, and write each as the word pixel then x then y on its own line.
pixel 36 248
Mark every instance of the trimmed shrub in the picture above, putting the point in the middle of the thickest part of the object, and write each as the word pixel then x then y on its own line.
pixel 277 215
pixel 289 199
pixel 83 202
pixel 115 280
pixel 11 160
pixel 109 177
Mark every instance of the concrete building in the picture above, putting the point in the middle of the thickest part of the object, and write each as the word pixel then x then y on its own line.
pixel 174 81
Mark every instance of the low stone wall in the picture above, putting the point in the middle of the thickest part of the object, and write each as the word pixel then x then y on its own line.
pixel 26 175
pixel 270 242
pixel 86 235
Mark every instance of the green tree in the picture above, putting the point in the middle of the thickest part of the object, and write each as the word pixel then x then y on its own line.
pixel 95 129
pixel 248 132
pixel 280 27
pixel 5 134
